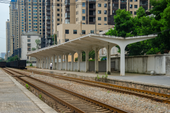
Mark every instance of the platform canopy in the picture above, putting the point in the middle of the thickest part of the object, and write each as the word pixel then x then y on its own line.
pixel 91 42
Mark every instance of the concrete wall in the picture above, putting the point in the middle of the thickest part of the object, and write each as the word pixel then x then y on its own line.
pixel 147 64
pixel 144 64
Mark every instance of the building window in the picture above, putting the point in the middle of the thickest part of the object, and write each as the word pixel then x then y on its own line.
pixel 83 31
pixel 66 31
pixel 28 45
pixel 105 11
pixel 131 0
pixel 83 17
pixel 105 18
pixel 28 36
pixel 58 4
pixel 58 24
pixel 113 11
pixel 99 18
pixel 99 5
pixel 28 40
pixel 83 11
pixel 105 5
pixel 58 9
pixel 131 12
pixel 135 0
pixel 91 31
pixel 135 13
pixel 29 49
pixel 99 11
pixel 83 4
pixel 74 31
pixel 131 6
pixel 136 6
pixel 99 23
pixel 58 14
pixel 58 19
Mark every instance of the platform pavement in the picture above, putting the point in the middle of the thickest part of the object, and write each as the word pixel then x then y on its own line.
pixel 15 98
pixel 160 80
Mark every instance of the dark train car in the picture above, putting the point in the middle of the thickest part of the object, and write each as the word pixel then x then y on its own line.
pixel 20 64
pixel 2 64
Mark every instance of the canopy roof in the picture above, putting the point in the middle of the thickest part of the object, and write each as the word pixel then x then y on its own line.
pixel 87 42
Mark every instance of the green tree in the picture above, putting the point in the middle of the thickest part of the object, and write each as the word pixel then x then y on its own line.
pixel 33 49
pixel 38 43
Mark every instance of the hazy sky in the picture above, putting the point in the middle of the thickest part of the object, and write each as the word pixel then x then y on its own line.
pixel 4 15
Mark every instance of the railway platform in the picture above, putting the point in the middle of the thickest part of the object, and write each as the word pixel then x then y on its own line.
pixel 152 80
pixel 17 99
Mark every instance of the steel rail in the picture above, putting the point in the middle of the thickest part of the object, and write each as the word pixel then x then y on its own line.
pixel 165 98
pixel 114 109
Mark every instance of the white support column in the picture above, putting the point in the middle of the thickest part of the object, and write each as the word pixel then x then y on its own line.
pixel 108 61
pixel 61 62
pixel 57 63
pixel 72 60
pixel 66 62
pixel 45 63
pixel 48 63
pixel 36 62
pixel 42 63
pixel 122 60
pixel 54 62
pixel 78 63
pixel 96 61
pixel 87 61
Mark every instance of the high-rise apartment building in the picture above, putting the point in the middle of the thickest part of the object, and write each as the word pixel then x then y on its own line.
pixel 57 14
pixel 14 28
pixel 25 16
pixel 8 40
pixel 99 12
pixel 80 17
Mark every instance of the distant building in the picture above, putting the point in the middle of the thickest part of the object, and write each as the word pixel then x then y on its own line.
pixel 8 40
pixel 3 55
pixel 28 44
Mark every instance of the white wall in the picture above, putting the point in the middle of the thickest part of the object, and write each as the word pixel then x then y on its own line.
pixel 143 64
pixel 24 42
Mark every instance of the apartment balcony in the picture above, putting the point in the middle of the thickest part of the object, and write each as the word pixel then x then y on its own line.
pixel 48 23
pixel 92 6
pixel 92 20
pixel 92 1
pixel 143 3
pixel 48 28
pixel 67 2
pixel 92 14
pixel 67 15
pixel 123 1
pixel 47 18
pixel 48 13
pixel 48 32
pixel 115 1
pixel 67 10
pixel 115 7
pixel 48 9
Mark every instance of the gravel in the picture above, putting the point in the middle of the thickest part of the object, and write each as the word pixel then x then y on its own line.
pixel 126 102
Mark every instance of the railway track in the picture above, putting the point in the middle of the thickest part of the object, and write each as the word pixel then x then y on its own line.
pixel 72 101
pixel 165 98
